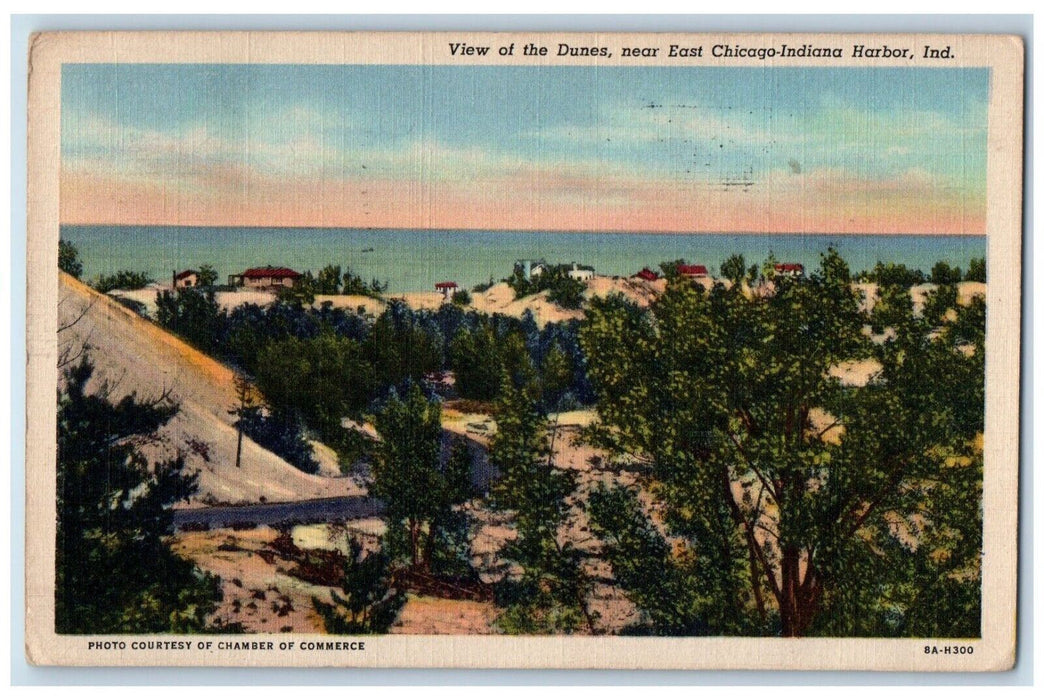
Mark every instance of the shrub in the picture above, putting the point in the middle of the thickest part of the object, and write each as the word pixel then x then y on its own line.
pixel 124 279
pixel 69 259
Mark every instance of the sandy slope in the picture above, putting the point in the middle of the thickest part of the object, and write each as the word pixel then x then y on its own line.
pixel 133 355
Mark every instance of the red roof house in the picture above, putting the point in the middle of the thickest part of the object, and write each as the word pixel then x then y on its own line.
pixel 790 269
pixel 447 288
pixel 647 275
pixel 693 271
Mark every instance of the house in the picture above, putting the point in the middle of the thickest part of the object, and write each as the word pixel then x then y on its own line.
pixel 264 277
pixel 447 288
pixel 580 273
pixel 531 268
pixel 185 278
pixel 647 275
pixel 790 269
pixel 693 271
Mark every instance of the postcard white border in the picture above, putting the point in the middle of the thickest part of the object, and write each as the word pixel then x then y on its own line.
pixel 1004 54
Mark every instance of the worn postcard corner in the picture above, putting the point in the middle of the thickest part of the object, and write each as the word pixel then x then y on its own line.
pixel 523 350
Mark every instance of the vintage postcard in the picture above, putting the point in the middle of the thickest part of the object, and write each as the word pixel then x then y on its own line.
pixel 645 351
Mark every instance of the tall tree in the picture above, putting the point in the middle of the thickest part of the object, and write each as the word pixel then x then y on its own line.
pixel 408 476
pixel 551 594
pixel 245 405
pixel 800 505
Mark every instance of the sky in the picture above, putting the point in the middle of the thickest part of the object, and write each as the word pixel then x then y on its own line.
pixel 687 149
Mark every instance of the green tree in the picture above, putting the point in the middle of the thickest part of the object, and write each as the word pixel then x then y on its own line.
pixel 794 504
pixel 419 494
pixel 551 593
pixel 942 273
pixel 122 279
pixel 207 275
pixel 458 472
pixel 566 291
pixel 976 270
pixel 479 358
pixel 660 584
pixel 894 307
pixel 561 288
pixel 69 259
pixel 368 602
pixel 114 571
pixel 475 363
pixel 193 314
pixel 322 379
pixel 894 274
pixel 938 301
pixel 734 269
pixel 400 348
pixel 556 376
pixel 670 268
pixel 328 281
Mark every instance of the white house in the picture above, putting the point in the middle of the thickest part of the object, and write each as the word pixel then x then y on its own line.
pixel 580 273
pixel 448 289
pixel 264 277
pixel 186 278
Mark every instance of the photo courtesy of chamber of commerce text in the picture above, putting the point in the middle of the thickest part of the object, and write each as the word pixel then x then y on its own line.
pixel 524 350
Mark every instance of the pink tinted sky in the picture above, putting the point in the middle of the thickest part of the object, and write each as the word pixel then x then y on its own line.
pixel 738 150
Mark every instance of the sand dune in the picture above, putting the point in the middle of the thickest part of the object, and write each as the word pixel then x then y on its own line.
pixel 133 355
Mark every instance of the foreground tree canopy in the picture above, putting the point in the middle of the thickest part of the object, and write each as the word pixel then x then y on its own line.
pixel 785 501
pixel 114 571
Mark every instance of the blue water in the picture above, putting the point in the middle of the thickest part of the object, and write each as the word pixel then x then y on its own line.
pixel 413 260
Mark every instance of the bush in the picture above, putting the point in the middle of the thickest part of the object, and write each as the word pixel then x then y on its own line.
pixel 124 279
pixel 942 273
pixel 368 601
pixel 134 305
pixel 893 275
pixel 282 434
pixel 976 270
pixel 461 297
pixel 69 259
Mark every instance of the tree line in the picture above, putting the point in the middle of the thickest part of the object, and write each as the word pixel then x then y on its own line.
pixel 317 366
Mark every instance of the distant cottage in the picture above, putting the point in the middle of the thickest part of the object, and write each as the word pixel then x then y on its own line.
pixel 265 277
pixel 580 273
pixel 693 271
pixel 447 289
pixel 790 269
pixel 186 278
pixel 530 268
pixel 647 275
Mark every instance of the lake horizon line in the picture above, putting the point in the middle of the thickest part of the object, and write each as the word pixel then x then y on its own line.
pixel 610 232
